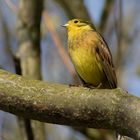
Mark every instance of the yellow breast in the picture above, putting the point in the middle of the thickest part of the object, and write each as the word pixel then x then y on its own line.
pixel 87 65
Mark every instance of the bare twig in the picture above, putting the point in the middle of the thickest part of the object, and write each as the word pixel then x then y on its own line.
pixel 11 5
pixel 105 14
pixel 119 33
pixel 119 30
pixel 60 47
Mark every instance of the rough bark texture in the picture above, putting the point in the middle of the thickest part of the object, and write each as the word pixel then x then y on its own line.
pixel 28 27
pixel 76 106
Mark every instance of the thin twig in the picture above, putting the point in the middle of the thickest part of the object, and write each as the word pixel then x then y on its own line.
pixel 59 46
pixel 119 29
pixel 105 14
pixel 11 5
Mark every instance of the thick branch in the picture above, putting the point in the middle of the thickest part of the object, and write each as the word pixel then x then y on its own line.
pixel 77 106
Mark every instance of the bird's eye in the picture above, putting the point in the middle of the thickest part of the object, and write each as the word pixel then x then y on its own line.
pixel 75 21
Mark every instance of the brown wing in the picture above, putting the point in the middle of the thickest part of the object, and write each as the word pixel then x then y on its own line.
pixel 105 59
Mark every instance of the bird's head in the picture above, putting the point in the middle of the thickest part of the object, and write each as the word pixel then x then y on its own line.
pixel 78 25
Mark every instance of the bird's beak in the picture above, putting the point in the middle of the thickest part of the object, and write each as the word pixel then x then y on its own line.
pixel 65 25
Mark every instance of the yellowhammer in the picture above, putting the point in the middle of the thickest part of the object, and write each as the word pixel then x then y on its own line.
pixel 90 55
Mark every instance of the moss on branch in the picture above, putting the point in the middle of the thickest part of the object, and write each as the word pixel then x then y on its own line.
pixel 76 106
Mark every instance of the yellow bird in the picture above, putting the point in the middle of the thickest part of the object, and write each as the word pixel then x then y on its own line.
pixel 90 55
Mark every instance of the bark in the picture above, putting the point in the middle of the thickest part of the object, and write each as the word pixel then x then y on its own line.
pixel 28 27
pixel 76 106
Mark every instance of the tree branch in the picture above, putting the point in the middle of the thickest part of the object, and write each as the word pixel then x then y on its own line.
pixel 28 31
pixel 105 14
pixel 76 106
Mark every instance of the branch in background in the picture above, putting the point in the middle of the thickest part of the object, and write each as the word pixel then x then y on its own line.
pixel 11 5
pixel 77 106
pixel 28 31
pixel 105 14
pixel 119 29
pixel 74 9
pixel 28 23
pixel 119 34
pixel 60 47
pixel 28 27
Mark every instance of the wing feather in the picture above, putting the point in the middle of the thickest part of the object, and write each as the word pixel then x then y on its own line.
pixel 105 58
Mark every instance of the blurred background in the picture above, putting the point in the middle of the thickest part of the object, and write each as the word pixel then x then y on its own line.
pixel 117 20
